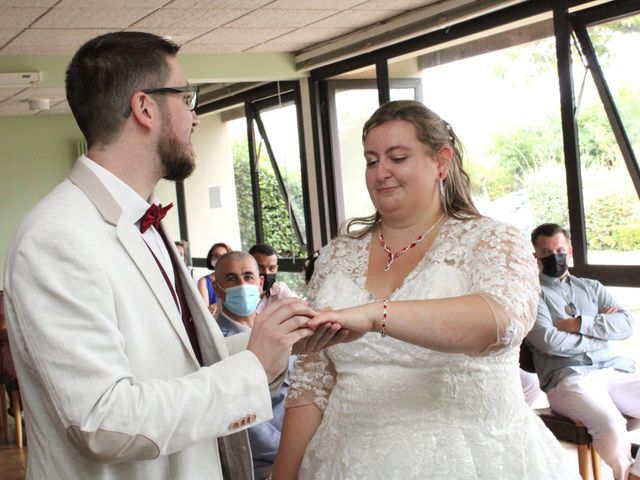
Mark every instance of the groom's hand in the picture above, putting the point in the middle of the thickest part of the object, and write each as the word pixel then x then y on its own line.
pixel 275 330
pixel 325 336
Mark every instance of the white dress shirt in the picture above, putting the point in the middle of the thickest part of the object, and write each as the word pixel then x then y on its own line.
pixel 134 207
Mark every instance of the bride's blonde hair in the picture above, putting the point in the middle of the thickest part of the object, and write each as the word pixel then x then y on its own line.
pixel 434 133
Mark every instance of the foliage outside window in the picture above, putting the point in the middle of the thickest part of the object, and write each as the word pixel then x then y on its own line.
pixel 276 221
pixel 612 208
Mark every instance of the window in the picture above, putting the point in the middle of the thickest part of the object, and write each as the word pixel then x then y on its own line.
pixel 353 98
pixel 210 192
pixel 500 95
pixel 280 179
pixel 611 205
pixel 495 80
pixel 250 185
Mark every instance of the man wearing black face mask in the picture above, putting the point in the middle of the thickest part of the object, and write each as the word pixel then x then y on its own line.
pixel 267 260
pixel 583 379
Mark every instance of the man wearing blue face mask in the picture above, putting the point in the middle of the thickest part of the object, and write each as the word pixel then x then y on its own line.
pixel 583 379
pixel 238 285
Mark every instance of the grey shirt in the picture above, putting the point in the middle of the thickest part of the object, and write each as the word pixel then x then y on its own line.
pixel 558 354
pixel 264 437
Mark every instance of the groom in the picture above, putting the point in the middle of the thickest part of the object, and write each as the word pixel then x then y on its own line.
pixel 122 372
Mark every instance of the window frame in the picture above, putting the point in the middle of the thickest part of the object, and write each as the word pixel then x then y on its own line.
pixel 254 101
pixel 564 23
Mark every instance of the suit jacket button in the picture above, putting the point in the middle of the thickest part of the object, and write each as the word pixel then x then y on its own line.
pixel 234 426
pixel 252 418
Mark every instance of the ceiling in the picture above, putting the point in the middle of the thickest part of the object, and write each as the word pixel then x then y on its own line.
pixel 253 30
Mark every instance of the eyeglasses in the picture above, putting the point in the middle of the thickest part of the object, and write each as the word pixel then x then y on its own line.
pixel 191 93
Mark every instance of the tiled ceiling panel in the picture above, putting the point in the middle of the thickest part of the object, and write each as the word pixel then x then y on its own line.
pixel 19 17
pixel 281 18
pixel 395 5
pixel 49 41
pixel 311 35
pixel 356 18
pixel 27 3
pixel 115 4
pixel 179 35
pixel 231 47
pixel 312 4
pixel 99 17
pixel 237 35
pixel 7 34
pixel 52 27
pixel 188 17
pixel 221 4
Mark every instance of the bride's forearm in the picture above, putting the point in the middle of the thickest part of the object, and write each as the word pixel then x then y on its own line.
pixel 298 428
pixel 463 324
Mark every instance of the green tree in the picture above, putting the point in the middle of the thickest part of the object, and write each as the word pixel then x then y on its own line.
pixel 532 156
pixel 522 151
pixel 244 197
pixel 547 192
pixel 276 222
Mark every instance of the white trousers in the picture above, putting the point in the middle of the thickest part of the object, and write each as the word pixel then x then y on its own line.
pixel 635 468
pixel 530 386
pixel 598 400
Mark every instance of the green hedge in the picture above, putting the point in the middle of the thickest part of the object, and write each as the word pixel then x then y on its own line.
pixel 605 214
pixel 626 237
pixel 612 212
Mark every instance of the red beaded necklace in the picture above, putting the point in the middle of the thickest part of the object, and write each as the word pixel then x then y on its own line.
pixel 391 256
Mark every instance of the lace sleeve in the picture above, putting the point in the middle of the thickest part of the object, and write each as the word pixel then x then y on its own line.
pixel 312 380
pixel 314 376
pixel 504 273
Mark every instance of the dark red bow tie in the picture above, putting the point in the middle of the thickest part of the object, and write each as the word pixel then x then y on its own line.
pixel 153 216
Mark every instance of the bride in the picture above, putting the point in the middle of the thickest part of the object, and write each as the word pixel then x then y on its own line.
pixel 437 299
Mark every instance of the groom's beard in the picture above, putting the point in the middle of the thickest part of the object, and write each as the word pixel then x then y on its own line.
pixel 177 161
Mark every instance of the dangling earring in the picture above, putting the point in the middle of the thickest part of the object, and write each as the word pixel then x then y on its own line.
pixel 442 194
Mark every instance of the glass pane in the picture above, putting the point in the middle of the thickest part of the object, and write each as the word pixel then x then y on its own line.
pixel 353 108
pixel 402 94
pixel 210 191
pixel 355 96
pixel 612 208
pixel 279 229
pixel 616 44
pixel 242 177
pixel 629 299
pixel 295 281
pixel 500 95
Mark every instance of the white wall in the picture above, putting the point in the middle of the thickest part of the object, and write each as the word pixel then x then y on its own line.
pixel 214 167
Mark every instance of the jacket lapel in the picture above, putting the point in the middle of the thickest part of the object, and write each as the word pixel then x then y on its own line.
pixel 212 344
pixel 133 243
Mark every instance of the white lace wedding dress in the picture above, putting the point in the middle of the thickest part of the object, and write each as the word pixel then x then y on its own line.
pixel 393 410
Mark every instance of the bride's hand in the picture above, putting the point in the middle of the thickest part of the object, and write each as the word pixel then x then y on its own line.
pixel 325 335
pixel 359 320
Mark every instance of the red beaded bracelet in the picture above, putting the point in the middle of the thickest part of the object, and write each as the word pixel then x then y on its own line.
pixel 384 318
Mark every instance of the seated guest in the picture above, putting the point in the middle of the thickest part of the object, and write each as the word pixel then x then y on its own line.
pixel 183 250
pixel 267 260
pixel 238 285
pixel 205 284
pixel 583 379
pixel 530 387
pixel 437 300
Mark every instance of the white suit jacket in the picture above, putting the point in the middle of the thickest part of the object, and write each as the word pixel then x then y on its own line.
pixel 111 386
